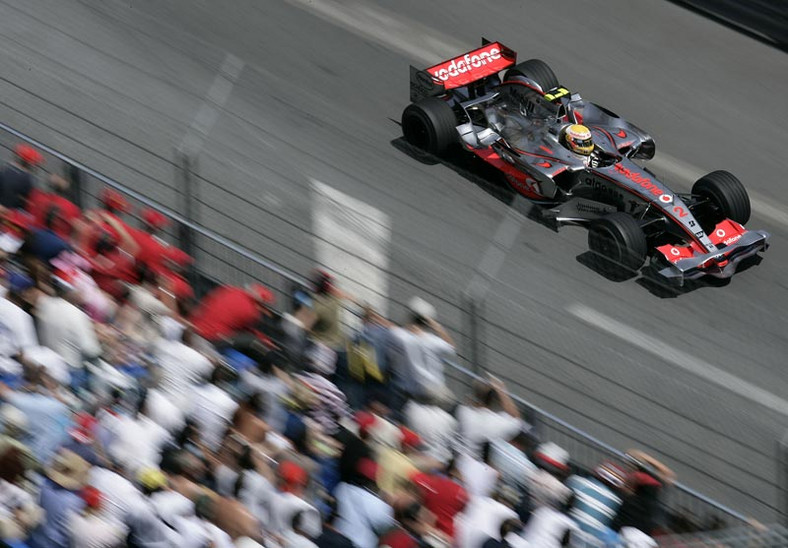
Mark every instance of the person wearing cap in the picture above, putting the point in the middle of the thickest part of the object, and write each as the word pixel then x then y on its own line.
pixel 598 499
pixel 17 331
pixel 291 499
pixel 16 178
pixel 146 528
pixel 442 494
pixel 64 327
pixel 362 513
pixel 547 483
pixel 60 498
pixel 646 480
pixel 417 352
pixel 91 528
pixel 229 311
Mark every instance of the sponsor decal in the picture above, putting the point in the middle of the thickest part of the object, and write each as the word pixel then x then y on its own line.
pixel 621 133
pixel 472 66
pixel 604 188
pixel 644 182
pixel 675 251
pixel 732 239
pixel 666 198
pixel 720 233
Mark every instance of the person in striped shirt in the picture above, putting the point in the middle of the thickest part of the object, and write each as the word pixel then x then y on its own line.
pixel 597 500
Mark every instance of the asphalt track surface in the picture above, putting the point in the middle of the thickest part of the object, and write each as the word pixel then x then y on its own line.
pixel 699 379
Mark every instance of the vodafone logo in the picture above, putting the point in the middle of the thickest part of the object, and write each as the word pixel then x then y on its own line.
pixel 468 62
pixel 666 198
pixel 675 251
pixel 720 233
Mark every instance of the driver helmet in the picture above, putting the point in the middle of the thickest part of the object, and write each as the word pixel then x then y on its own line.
pixel 578 139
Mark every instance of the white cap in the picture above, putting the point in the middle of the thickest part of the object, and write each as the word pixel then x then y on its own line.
pixel 422 308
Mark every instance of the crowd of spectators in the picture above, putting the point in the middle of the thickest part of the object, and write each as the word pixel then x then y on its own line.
pixel 132 414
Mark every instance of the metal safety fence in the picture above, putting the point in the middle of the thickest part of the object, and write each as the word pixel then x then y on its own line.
pixel 219 260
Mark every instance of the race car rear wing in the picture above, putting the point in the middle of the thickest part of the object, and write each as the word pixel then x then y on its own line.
pixel 466 69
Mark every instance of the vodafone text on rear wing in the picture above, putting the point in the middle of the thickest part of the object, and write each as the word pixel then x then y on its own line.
pixel 466 69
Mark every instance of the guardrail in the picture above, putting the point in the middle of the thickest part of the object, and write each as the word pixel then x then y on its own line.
pixel 220 260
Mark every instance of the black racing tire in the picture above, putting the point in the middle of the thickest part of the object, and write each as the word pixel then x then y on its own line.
pixel 726 194
pixel 537 70
pixel 430 125
pixel 618 244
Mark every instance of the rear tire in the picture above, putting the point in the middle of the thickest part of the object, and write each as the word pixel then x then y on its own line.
pixel 619 245
pixel 430 125
pixel 726 195
pixel 537 70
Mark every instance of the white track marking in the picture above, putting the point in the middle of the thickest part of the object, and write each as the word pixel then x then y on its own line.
pixel 679 358
pixel 495 254
pixel 352 241
pixel 209 110
pixel 686 173
pixel 391 30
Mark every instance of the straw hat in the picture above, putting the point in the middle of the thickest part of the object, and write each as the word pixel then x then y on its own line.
pixel 69 470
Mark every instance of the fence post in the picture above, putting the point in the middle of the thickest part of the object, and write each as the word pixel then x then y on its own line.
pixel 76 182
pixel 186 188
pixel 782 478
pixel 476 349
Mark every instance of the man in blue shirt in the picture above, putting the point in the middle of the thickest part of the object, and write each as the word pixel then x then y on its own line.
pixel 60 499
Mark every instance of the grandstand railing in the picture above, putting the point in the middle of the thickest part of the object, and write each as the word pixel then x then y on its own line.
pixel 220 260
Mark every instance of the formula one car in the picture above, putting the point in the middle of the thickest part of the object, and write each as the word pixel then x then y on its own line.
pixel 575 158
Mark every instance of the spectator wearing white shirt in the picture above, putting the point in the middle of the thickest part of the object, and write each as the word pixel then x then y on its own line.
pixel 290 500
pixel 212 409
pixel 362 515
pixel 64 327
pixel 139 440
pixel 483 517
pixel 418 350
pixel 17 331
pixel 491 416
pixel 181 367
pixel 436 427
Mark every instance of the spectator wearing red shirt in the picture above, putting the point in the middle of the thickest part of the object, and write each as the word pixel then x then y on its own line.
pixel 443 496
pixel 112 259
pixel 229 311
pixel 112 205
pixel 42 204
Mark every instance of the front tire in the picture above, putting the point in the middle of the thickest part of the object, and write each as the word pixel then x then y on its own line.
pixel 430 125
pixel 619 245
pixel 726 196
pixel 536 70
